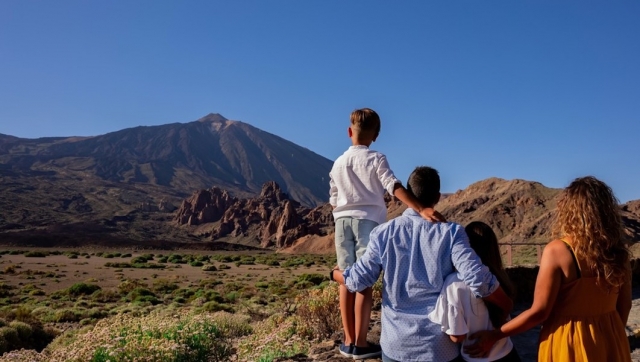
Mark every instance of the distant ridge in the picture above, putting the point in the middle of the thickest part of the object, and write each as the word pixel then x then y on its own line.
pixel 517 210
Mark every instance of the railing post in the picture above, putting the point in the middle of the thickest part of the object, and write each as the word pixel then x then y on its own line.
pixel 539 250
pixel 509 255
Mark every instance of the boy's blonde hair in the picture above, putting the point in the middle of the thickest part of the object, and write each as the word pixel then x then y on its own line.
pixel 365 124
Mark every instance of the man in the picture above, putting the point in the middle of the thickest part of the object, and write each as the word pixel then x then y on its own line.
pixel 416 255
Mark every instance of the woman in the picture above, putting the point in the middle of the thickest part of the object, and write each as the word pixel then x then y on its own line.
pixel 583 290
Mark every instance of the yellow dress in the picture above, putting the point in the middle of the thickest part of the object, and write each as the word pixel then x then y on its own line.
pixel 584 325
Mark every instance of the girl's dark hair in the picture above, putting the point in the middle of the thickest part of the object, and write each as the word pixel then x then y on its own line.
pixel 485 243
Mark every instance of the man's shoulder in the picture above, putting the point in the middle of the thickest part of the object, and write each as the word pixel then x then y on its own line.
pixel 405 221
pixel 416 218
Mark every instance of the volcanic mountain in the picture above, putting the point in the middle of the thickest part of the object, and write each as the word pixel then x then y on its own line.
pixel 57 180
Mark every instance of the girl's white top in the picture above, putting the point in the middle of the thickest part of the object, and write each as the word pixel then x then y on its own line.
pixel 459 312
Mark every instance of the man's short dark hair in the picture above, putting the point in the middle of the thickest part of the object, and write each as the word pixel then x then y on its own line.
pixel 424 184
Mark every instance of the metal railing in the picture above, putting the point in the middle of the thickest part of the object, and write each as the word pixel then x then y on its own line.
pixel 508 254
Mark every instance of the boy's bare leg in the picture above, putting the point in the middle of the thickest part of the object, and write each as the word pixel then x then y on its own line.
pixel 363 304
pixel 347 302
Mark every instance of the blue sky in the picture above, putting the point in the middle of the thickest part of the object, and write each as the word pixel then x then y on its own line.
pixel 544 91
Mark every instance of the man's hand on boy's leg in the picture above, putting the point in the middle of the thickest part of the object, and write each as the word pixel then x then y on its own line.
pixel 336 275
pixel 432 215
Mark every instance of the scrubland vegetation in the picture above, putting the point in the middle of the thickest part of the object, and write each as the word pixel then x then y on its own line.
pixel 82 306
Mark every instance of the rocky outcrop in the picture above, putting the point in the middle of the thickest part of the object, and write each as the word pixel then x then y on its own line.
pixel 517 210
pixel 204 206
pixel 271 219
pixel 631 219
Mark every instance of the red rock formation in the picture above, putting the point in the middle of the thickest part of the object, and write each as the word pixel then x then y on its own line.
pixel 272 219
pixel 204 206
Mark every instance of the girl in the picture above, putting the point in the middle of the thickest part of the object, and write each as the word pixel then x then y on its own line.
pixel 459 312
pixel 583 289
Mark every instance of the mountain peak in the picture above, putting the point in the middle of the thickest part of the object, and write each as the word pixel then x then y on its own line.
pixel 213 118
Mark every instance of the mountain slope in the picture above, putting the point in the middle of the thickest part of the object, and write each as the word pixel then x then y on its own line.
pixel 517 210
pixel 187 157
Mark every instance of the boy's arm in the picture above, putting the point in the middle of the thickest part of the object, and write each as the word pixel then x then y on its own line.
pixel 394 187
pixel 333 192
pixel 408 199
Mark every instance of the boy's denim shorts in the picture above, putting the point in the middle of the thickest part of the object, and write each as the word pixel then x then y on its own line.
pixel 352 238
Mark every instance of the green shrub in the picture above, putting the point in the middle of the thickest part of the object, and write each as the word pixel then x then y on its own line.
pixel 139 260
pixel 66 315
pixel 37 292
pixel 142 265
pixel 24 330
pixel 313 279
pixel 129 285
pixel 214 306
pixel 209 267
pixel 164 286
pixel 82 289
pixel 105 296
pixel 5 290
pixel 143 295
pixel 196 263
pixel 36 254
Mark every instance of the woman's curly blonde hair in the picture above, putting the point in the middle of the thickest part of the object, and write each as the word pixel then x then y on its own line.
pixel 588 213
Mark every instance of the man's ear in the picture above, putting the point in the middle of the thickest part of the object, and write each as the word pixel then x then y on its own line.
pixel 350 131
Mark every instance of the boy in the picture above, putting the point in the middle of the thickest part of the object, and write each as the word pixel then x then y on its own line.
pixel 358 180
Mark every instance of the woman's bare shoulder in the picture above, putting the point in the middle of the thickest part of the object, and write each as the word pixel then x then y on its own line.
pixel 557 252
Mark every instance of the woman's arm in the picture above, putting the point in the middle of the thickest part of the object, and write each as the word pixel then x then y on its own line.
pixel 623 305
pixel 546 291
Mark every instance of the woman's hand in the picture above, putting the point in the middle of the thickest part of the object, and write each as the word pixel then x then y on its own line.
pixel 483 342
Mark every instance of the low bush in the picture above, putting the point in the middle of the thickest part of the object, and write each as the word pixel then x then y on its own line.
pixel 313 279
pixel 36 254
pixel 129 285
pixel 159 336
pixel 273 338
pixel 164 286
pixel 317 312
pixel 139 260
pixel 79 289
pixel 138 265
